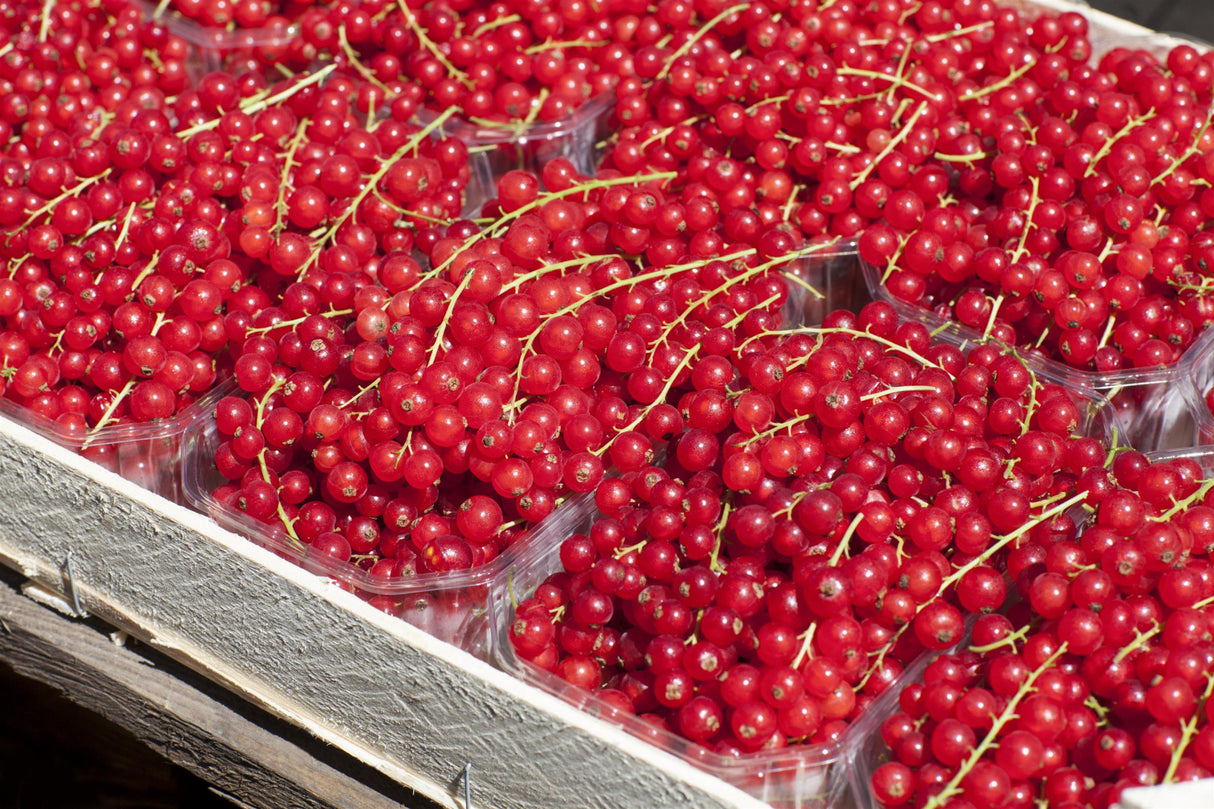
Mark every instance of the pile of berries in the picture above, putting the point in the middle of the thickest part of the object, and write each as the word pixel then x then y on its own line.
pixel 790 512
pixel 1107 687
pixel 787 560
pixel 142 237
pixel 417 420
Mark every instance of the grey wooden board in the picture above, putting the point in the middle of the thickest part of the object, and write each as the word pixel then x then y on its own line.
pixel 412 707
pixel 239 750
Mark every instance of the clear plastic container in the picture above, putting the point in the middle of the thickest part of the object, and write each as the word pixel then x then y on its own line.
pixel 801 777
pixel 865 750
pixel 148 454
pixel 1152 408
pixel 219 49
pixel 495 148
pixel 1195 380
pixel 450 606
pixel 832 270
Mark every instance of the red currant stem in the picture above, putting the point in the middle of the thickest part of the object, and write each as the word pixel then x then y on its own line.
pixel 877 394
pixel 45 28
pixel 56 346
pixel 1045 501
pixel 900 72
pixel 1140 640
pixel 519 127
pixel 161 7
pixel 485 28
pixel 772 100
pixel 897 80
pixel 255 104
pixel 902 135
pixel 797 497
pixel 1102 712
pixel 1034 200
pixel 126 227
pixel 352 56
pixel 779 426
pixel 108 415
pixel 424 40
pixel 843 548
pixel 1009 538
pixel 1107 146
pixel 990 321
pixel 892 264
pixel 148 269
pixel 714 563
pixel 999 85
pixel 712 293
pixel 405 212
pixel 8 46
pixel 437 344
pixel 953 787
pixel 664 272
pixel 367 388
pixel 960 158
pixel 889 344
pixel 1007 640
pixel 549 44
pixel 161 318
pixel 502 222
pixel 72 192
pixel 284 181
pixel 624 550
pixel 959 32
pixel 807 645
pixel 1031 409
pixel 286 324
pixel 786 213
pixel 683 363
pixel 259 404
pixel 1189 152
pixel 700 33
pixel 1108 331
pixel 556 267
pixel 1041 337
pixel 1181 505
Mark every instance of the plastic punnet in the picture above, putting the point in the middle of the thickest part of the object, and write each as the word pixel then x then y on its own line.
pixel 797 777
pixel 450 606
pixel 148 454
pixel 1151 408
pixel 496 147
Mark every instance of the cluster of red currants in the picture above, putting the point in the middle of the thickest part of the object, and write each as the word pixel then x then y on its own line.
pixel 419 422
pixel 835 504
pixel 148 225
pixel 1108 687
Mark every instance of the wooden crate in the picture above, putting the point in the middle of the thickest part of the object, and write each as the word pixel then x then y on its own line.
pixel 411 707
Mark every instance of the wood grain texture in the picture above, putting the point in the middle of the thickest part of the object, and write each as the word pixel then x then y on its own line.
pixel 412 707
pixel 256 759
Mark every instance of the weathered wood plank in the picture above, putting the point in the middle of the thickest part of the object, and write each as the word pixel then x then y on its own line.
pixel 410 706
pixel 240 750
